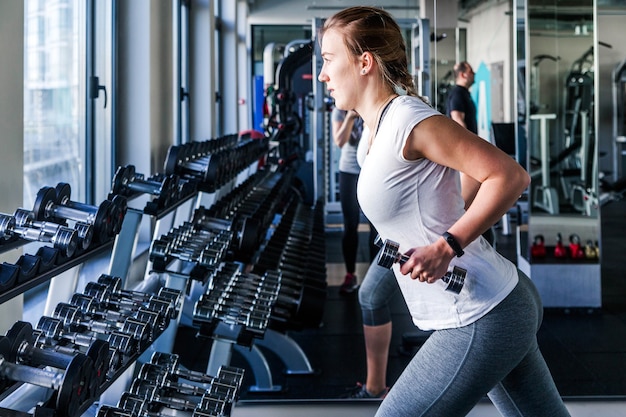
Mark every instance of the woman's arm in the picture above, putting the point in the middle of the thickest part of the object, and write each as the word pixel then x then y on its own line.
pixel 343 128
pixel 498 181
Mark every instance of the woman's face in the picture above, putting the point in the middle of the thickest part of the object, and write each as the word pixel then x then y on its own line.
pixel 339 71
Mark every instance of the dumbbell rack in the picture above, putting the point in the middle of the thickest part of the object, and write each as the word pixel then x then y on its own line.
pixel 178 275
pixel 24 394
pixel 122 248
pixel 223 344
pixel 52 264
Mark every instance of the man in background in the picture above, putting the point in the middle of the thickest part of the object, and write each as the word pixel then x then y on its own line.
pixel 460 106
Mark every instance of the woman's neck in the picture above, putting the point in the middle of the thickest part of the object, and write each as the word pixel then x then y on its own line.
pixel 381 105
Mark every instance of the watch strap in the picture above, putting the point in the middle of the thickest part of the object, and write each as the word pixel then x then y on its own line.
pixel 454 244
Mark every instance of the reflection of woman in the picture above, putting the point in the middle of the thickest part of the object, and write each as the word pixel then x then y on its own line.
pixel 484 340
pixel 347 129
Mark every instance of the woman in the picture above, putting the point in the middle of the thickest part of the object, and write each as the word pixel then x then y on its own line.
pixel 347 129
pixel 484 339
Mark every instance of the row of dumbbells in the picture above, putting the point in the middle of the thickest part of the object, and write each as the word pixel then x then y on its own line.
pixel 205 244
pixel 128 321
pixel 165 190
pixel 164 388
pixel 224 230
pixel 69 225
pixel 238 303
pixel 74 372
pixel 87 341
pixel 215 162
pixel 252 206
pixel 296 249
pixel 258 201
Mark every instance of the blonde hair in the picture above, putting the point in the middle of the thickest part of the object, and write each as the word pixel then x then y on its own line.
pixel 370 29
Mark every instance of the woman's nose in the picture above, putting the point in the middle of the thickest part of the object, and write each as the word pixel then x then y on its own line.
pixel 322 76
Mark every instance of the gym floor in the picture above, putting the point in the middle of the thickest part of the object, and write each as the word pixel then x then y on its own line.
pixel 585 350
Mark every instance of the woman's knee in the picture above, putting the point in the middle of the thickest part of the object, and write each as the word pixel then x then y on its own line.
pixel 377 288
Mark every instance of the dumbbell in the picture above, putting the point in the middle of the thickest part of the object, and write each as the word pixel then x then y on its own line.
pixel 24 350
pixel 131 405
pixel 152 398
pixel 170 362
pixel 115 285
pixel 205 313
pixel 199 235
pixel 151 375
pixel 104 299
pixel 63 238
pixel 74 320
pixel 206 168
pixel 84 231
pixel 104 357
pixel 154 379
pixel 118 208
pixel 246 230
pixel 110 411
pixel 93 309
pixel 70 384
pixel 164 252
pixel 250 318
pixel 165 388
pixel 389 254
pixel 165 302
pixel 48 207
pixel 54 334
pixel 160 377
pixel 127 182
pixel 235 295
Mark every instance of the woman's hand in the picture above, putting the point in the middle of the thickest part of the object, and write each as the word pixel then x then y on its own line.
pixel 428 263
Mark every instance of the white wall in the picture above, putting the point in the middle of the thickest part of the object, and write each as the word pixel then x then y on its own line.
pixel 12 129
pixel 145 113
pixel 489 40
pixel 303 11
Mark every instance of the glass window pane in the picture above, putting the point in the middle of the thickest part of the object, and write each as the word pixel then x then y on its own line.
pixel 54 96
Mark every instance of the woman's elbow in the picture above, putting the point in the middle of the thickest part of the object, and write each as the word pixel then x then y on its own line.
pixel 522 178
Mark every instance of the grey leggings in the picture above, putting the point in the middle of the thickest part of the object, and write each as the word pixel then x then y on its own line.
pixel 378 287
pixel 498 355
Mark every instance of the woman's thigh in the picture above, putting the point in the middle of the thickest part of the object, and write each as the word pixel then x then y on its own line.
pixel 456 368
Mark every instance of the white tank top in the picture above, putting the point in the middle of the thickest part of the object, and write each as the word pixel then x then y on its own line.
pixel 413 203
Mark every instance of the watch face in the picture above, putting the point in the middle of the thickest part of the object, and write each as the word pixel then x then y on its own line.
pixel 453 244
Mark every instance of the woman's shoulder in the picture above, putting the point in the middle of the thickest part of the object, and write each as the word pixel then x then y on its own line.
pixel 412 106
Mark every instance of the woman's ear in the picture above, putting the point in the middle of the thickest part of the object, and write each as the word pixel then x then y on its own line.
pixel 366 60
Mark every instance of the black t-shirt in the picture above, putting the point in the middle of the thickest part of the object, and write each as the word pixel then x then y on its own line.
pixel 459 99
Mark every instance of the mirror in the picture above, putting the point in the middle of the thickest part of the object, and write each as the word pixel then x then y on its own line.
pixel 562 148
pixel 611 57
pixel 557 108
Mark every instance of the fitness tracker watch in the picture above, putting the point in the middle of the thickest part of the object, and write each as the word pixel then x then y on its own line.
pixel 453 244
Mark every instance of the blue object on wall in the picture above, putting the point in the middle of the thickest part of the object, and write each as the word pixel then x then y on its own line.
pixel 259 100
pixel 481 94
